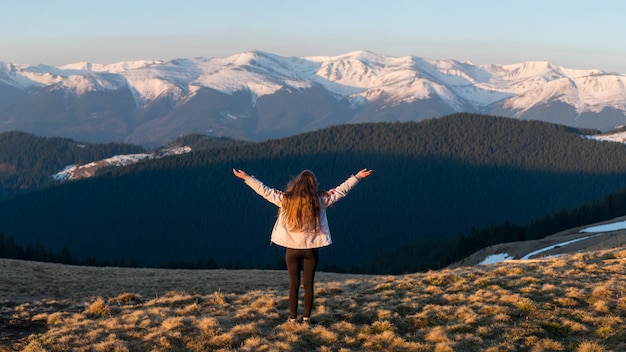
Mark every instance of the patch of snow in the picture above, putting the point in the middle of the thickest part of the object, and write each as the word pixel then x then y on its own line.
pixel 620 225
pixel 174 151
pixel 127 159
pixel 545 249
pixel 496 258
pixel 619 137
pixel 500 257
pixel 66 173
pixel 74 172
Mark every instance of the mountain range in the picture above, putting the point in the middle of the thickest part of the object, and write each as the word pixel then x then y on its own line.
pixel 258 96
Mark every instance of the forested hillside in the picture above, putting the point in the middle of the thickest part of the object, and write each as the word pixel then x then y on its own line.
pixel 200 141
pixel 434 181
pixel 27 161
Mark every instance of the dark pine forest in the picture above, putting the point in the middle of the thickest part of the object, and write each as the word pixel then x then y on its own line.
pixel 27 161
pixel 441 189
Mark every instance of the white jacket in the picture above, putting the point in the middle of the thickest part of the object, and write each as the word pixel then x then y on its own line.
pixel 302 240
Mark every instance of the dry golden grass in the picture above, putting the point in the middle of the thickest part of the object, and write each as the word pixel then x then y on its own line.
pixel 572 303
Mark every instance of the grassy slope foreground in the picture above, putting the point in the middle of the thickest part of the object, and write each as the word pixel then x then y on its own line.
pixel 572 303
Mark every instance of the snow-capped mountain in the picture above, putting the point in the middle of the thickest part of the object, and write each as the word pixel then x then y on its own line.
pixel 257 95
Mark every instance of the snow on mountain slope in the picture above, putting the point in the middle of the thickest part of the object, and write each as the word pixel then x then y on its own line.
pixel 112 68
pixel 536 82
pixel 599 90
pixel 416 87
pixel 619 137
pixel 257 72
pixel 76 172
pixel 367 77
pixel 76 81
pixel 356 74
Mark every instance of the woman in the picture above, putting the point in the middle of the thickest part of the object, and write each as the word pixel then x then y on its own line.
pixel 302 227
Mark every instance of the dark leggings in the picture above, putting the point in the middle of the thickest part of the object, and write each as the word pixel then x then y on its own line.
pixel 297 259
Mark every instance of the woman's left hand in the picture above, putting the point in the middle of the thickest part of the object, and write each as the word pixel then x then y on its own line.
pixel 240 173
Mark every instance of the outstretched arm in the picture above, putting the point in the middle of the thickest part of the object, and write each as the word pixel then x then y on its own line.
pixel 342 190
pixel 270 194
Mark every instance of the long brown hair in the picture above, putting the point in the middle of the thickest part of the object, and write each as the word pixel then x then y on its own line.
pixel 301 204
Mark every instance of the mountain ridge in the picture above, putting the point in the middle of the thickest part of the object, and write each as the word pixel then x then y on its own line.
pixel 257 95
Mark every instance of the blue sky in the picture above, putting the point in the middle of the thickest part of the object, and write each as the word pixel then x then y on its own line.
pixel 574 34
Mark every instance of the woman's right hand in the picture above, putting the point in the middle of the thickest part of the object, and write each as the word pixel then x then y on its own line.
pixel 364 173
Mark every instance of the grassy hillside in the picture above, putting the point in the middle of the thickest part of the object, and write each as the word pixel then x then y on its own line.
pixel 434 180
pixel 571 303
